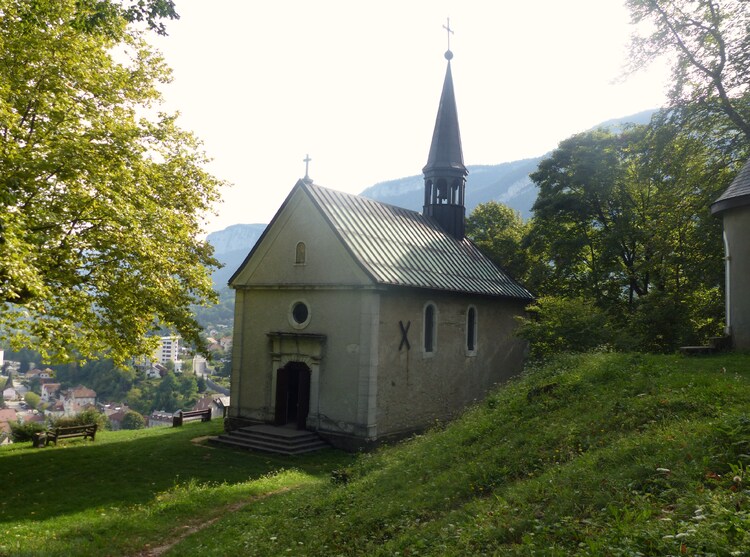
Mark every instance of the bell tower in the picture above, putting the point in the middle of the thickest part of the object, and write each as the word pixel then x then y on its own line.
pixel 445 173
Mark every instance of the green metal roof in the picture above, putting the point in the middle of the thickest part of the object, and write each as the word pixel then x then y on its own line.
pixel 400 247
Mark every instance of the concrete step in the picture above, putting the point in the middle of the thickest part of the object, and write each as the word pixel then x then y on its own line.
pixel 697 350
pixel 313 441
pixel 271 439
pixel 721 343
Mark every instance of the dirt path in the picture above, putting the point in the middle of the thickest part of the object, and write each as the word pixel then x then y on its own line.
pixel 196 526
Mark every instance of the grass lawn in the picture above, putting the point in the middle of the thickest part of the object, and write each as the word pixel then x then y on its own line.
pixel 131 490
pixel 590 455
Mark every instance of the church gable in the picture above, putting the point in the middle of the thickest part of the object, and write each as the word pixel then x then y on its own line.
pixel 299 248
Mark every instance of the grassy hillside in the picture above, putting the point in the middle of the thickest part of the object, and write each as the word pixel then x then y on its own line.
pixel 602 454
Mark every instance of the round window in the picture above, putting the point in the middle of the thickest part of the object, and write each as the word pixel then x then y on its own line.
pixel 300 313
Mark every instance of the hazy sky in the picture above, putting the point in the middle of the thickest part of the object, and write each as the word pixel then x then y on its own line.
pixel 356 85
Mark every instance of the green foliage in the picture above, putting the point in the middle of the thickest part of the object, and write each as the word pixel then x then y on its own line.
pixel 622 221
pixel 174 393
pixel 557 324
pixel 24 432
pixel 224 368
pixel 90 416
pixel 102 196
pixel 133 420
pixel 221 313
pixel 111 382
pixel 498 231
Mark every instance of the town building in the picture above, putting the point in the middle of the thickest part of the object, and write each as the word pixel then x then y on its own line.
pixel 168 350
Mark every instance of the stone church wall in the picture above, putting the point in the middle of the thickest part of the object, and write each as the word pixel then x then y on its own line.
pixel 416 388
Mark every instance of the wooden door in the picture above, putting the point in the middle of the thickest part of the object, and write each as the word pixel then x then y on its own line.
pixel 292 394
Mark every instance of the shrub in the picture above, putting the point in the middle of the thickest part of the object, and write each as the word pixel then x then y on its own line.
pixel 22 433
pixel 564 325
pixel 32 399
pixel 90 416
pixel 132 420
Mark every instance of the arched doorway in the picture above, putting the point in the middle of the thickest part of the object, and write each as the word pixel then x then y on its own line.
pixel 292 394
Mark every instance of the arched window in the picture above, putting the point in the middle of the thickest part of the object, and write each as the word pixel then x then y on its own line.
pixel 300 254
pixel 430 328
pixel 471 330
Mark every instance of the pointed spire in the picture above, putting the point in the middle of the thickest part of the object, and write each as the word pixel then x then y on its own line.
pixel 445 173
pixel 445 150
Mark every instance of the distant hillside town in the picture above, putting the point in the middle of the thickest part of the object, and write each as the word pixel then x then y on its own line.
pixel 35 398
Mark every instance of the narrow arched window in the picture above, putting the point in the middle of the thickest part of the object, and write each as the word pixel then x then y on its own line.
pixel 430 326
pixel 300 254
pixel 471 329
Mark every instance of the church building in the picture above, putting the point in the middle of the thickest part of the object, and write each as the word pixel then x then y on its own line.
pixel 364 322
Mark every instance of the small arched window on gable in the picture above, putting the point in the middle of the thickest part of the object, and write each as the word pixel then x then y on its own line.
pixel 300 254
pixel 471 331
pixel 430 328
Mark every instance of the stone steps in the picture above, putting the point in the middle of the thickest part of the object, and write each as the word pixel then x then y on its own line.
pixel 716 344
pixel 271 439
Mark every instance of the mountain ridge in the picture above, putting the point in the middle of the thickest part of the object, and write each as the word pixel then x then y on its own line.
pixel 506 182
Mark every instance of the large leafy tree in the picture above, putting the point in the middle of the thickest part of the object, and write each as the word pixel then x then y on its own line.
pixel 623 220
pixel 101 195
pixel 589 217
pixel 709 45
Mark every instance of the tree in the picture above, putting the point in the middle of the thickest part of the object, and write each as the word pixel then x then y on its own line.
pixel 166 397
pixel 709 43
pixel 589 217
pixel 132 420
pixel 498 231
pixel 101 195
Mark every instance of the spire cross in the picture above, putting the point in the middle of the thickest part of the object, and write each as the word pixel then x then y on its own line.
pixel 447 27
pixel 307 160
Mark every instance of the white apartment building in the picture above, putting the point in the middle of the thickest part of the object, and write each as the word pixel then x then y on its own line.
pixel 168 350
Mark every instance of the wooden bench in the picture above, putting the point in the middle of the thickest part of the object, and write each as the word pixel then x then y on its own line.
pixel 180 417
pixel 66 432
